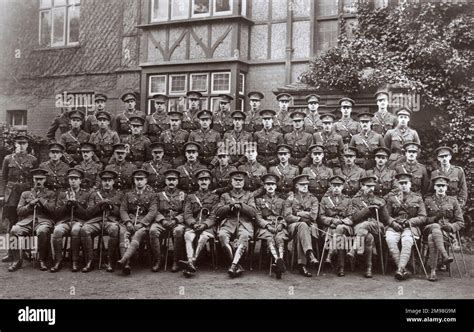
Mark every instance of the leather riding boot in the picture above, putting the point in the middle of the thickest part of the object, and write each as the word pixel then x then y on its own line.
pixel 17 260
pixel 177 254
pixel 58 254
pixel 368 262
pixel 433 276
pixel 88 253
pixel 111 253
pixel 75 248
pixel 156 251
pixel 8 258
pixel 341 256
pixel 125 261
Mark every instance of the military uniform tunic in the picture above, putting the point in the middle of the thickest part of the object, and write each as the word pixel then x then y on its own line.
pixel 319 176
pixel 286 174
pixel 254 170
pixel 208 140
pixel 299 141
pixel 124 170
pixel 383 122
pixel 187 180
pixel 267 142
pixel 457 185
pixel 156 170
pixel 91 173
pixel 366 143
pixel 16 169
pixel 174 141
pixel 72 141
pixel 395 139
pixel 104 140
pixel 351 176
pixel 312 122
pixel 333 144
pixel 199 207
pixel 347 128
pixel 121 124
pixel 420 180
pixel 385 180
pixel 155 124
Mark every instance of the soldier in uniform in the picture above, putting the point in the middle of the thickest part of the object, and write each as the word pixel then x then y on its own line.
pixel 89 166
pixel 236 209
pixel 312 121
pixel 138 210
pixel 350 172
pixel 267 139
pixel 221 173
pixel 253 168
pixel 253 120
pixel 385 176
pixel 38 203
pixel 187 181
pixel 198 217
pixel 121 123
pixel 332 142
pixel 138 144
pixel 222 119
pixel 158 121
pixel 383 120
pixel 346 127
pixel 57 169
pixel 397 137
pixel 123 168
pixel 71 210
pixel 420 180
pixel 282 120
pixel 60 122
pixel 285 171
pixel 335 214
pixel 157 166
pixel 190 114
pixel 104 138
pixel 103 217
pixel 366 141
pixel 271 223
pixel 73 139
pixel 169 220
pixel 369 216
pixel 298 139
pixel 444 219
pixel 301 213
pixel 174 139
pixel 406 213
pixel 91 124
pixel 457 185
pixel 207 138
pixel 318 173
pixel 16 175
pixel 237 138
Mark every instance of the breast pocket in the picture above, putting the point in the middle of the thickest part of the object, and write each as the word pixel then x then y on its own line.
pixel 453 185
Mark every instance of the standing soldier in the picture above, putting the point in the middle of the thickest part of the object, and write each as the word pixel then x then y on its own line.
pixel 73 139
pixel 236 209
pixel 158 121
pixel 169 221
pixel 318 173
pixel 222 119
pixel 187 181
pixel 350 172
pixel 56 168
pixel 369 216
pixel 237 138
pixel 60 122
pixel 366 141
pixel 406 212
pixel 385 177
pixel 174 139
pixel 285 171
pixel 189 114
pixel 103 215
pixel 91 124
pixel 396 138
pixel 383 120
pixel 199 219
pixel 121 123
pixel 420 179
pixel 206 137
pixel 221 173
pixel 312 121
pixel 90 167
pixel 104 138
pixel 138 144
pixel 16 175
pixel 444 219
pixel 38 203
pixel 253 120
pixel 457 185
pixel 71 210
pixel 267 139
pixel 282 120
pixel 335 214
pixel 272 225
pixel 298 139
pixel 253 168
pixel 301 213
pixel 346 127
pixel 156 167
pixel 123 168
pixel 137 212
pixel 332 142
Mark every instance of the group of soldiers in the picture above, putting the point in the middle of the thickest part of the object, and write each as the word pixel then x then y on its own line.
pixel 195 176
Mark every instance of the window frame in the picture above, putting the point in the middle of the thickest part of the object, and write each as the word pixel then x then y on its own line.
pixel 178 93
pixel 242 79
pixel 208 14
pixel 223 13
pixel 183 17
pixel 213 91
pixel 191 88
pixel 51 8
pixel 12 114
pixel 68 28
pixel 151 93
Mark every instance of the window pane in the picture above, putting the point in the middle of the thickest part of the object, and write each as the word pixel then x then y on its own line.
pixel 160 10
pixel 221 82
pixel 241 84
pixel 199 82
pixel 58 25
pixel 327 7
pixel 157 84
pixel 59 3
pixel 179 9
pixel 243 7
pixel 349 7
pixel 45 3
pixel 222 5
pixel 327 34
pixel 73 14
pixel 178 83
pixel 45 28
pixel 200 7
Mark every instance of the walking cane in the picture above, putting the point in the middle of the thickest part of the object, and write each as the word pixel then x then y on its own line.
pixel 462 253
pixel 101 239
pixel 322 254
pixel 417 249
pixel 455 259
pixel 380 241
pixel 34 220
